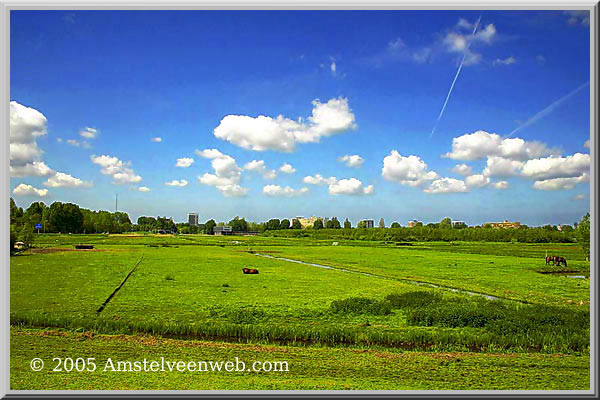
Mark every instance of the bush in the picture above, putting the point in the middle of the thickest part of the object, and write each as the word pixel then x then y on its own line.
pixel 413 299
pixel 360 305
pixel 246 315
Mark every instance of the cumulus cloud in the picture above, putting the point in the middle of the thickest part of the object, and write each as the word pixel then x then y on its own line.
pixel 26 126
pixel 350 186
pixel 36 168
pixel 89 133
pixel 156 139
pixel 481 144
pixel 184 162
pixel 353 161
pixel 143 189
pixel 506 61
pixel 276 190
pixel 409 170
pixel 260 167
pixel 446 185
pixel 120 171
pixel 28 190
pixel 586 144
pixel 557 167
pixel 462 169
pixel 176 182
pixel 501 167
pixel 501 185
pixel 61 179
pixel 287 168
pixel 477 180
pixel 283 134
pixel 319 180
pixel 227 173
pixel 561 183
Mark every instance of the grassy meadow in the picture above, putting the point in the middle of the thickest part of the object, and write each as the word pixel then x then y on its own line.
pixel 368 322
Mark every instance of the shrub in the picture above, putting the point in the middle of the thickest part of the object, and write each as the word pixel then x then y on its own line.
pixel 170 277
pixel 413 299
pixel 360 305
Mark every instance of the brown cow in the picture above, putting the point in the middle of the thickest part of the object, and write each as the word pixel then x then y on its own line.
pixel 251 271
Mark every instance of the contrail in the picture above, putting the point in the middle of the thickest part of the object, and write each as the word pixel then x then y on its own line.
pixel 547 110
pixel 455 78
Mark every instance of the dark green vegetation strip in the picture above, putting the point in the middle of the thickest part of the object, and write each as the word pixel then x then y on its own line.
pixel 311 368
pixel 120 286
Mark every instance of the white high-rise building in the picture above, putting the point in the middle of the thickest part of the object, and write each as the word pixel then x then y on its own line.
pixel 193 219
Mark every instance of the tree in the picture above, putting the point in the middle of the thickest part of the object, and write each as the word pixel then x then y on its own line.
pixel 238 225
pixel 335 224
pixel 65 217
pixel 446 223
pixel 361 225
pixel 284 224
pixel 583 234
pixel 381 223
pixel 208 226
pixel 395 225
pixel 26 235
pixel 13 236
pixel 347 224
pixel 296 224
pixel 318 224
pixel 273 224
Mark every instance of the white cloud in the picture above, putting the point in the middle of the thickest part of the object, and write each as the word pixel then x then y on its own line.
pixel 143 189
pixel 506 61
pixel 333 67
pixel 283 134
pixel 156 139
pixel 184 162
pixel 446 185
pixel 501 167
pixel 26 126
pixel 36 168
pixel 409 170
pixel 480 144
pixel 477 180
pixel 287 168
pixel 501 185
pixel 458 42
pixel 77 143
pixel 260 167
pixel 579 197
pixel 61 179
pixel 353 161
pixel 350 186
pixel 227 174
pixel 557 167
pixel 578 17
pixel 540 59
pixel 175 182
pixel 462 169
pixel 276 190
pixel 319 180
pixel 89 133
pixel 587 143
pixel 28 190
pixel 119 170
pixel 561 183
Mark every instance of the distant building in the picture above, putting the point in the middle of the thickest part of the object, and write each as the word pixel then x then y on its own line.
pixel 504 225
pixel 193 219
pixel 458 223
pixel 222 230
pixel 307 222
pixel 369 223
pixel 413 223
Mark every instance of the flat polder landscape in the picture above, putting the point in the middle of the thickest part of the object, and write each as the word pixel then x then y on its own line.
pixel 342 314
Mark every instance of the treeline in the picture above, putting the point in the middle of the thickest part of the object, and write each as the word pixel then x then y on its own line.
pixel 426 234
pixel 62 218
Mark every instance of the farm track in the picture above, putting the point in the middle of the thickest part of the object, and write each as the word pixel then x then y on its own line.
pixel 419 283
pixel 119 287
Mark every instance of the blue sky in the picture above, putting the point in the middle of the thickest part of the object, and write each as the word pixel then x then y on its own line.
pixel 365 83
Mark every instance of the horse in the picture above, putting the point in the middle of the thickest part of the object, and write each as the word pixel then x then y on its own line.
pixel 251 271
pixel 549 259
pixel 560 260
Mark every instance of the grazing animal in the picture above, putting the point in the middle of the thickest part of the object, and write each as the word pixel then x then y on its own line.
pixel 556 260
pixel 251 271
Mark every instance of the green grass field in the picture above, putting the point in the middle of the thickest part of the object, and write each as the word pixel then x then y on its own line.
pixel 191 290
